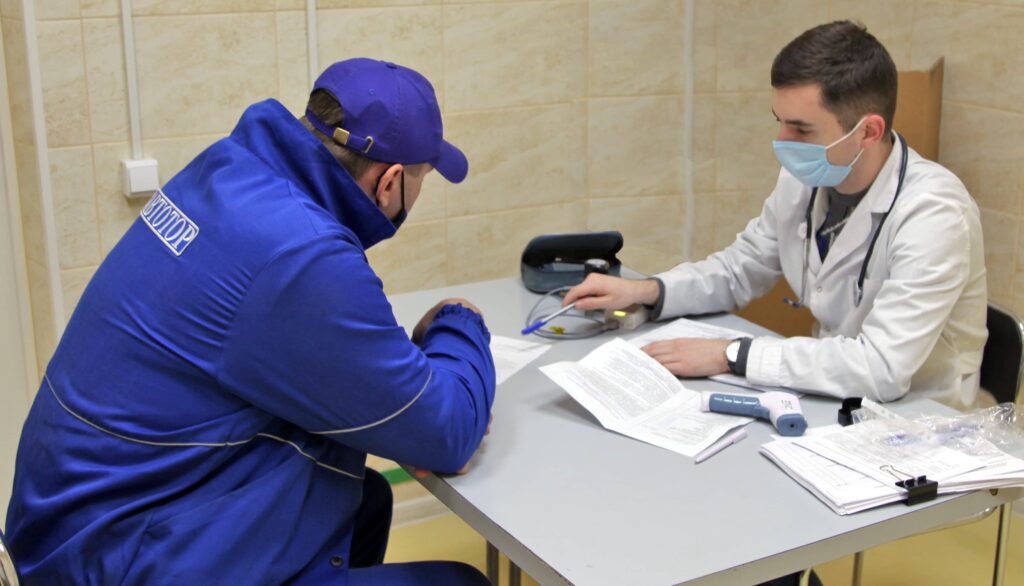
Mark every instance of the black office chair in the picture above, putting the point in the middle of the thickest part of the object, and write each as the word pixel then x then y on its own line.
pixel 1002 367
pixel 8 572
pixel 1002 372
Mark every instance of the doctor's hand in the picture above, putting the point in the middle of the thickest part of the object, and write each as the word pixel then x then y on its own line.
pixel 692 357
pixel 428 317
pixel 604 292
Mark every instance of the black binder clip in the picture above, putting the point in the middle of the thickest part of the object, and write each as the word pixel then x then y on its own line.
pixel 919 488
pixel 846 411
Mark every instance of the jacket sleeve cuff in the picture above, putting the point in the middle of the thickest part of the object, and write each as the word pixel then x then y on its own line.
pixel 460 317
pixel 764 362
pixel 659 305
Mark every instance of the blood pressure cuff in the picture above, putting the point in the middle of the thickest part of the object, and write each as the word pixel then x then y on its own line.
pixel 556 260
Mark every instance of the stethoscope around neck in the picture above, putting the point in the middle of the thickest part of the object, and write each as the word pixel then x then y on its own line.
pixel 799 302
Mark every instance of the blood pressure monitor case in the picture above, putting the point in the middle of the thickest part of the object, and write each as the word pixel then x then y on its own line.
pixel 556 260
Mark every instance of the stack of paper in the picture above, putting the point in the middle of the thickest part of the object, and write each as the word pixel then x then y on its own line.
pixel 631 393
pixel 855 468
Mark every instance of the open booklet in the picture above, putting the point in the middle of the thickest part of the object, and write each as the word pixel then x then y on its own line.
pixel 855 468
pixel 631 393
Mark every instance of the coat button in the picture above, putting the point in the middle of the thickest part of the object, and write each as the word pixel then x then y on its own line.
pixel 818 289
pixel 337 560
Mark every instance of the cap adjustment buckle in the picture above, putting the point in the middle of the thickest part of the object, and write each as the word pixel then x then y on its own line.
pixel 342 136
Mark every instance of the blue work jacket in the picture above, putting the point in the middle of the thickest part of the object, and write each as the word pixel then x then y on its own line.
pixel 206 416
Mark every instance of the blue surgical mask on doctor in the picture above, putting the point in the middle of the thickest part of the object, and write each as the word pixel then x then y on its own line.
pixel 809 162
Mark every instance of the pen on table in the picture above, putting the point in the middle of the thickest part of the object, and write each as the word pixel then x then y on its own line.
pixel 733 437
pixel 540 323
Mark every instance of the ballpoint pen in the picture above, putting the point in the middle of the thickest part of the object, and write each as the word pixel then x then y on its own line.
pixel 540 323
pixel 733 437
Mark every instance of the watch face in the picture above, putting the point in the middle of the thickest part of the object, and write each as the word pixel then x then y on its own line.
pixel 732 351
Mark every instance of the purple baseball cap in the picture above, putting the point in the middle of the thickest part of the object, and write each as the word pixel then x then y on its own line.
pixel 390 115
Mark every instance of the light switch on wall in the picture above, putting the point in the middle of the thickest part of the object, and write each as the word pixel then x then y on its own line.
pixel 140 177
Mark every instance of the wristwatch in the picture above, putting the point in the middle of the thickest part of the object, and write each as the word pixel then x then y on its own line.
pixel 736 355
pixel 732 353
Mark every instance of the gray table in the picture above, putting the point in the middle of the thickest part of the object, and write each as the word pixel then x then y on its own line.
pixel 572 503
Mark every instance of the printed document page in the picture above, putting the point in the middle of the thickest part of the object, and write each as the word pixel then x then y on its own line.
pixel 511 355
pixel 873 449
pixel 688 328
pixel 631 393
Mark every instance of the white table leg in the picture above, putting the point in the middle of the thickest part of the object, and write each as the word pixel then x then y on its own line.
pixel 1002 539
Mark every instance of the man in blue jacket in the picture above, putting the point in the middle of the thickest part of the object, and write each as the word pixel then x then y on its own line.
pixel 207 414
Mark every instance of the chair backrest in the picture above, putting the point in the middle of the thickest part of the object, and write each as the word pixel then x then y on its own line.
pixel 8 572
pixel 1002 365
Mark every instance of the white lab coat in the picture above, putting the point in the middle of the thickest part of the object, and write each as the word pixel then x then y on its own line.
pixel 921 323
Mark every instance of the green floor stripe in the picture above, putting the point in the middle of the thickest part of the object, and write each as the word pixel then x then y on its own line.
pixel 396 476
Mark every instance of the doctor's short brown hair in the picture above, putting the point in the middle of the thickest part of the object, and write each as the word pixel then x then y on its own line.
pixel 856 74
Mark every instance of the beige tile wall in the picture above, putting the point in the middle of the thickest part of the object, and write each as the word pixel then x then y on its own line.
pixel 570 115
pixel 571 112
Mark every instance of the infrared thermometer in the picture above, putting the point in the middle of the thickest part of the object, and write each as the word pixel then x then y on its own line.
pixel 781 409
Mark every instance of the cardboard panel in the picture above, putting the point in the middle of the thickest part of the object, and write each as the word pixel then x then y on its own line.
pixel 919 109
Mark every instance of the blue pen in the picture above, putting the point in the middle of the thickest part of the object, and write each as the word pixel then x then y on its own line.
pixel 540 323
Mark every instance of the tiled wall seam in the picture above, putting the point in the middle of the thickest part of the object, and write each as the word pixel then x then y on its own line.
pixel 92 151
pixel 986 107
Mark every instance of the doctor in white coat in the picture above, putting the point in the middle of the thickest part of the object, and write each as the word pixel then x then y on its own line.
pixel 883 246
